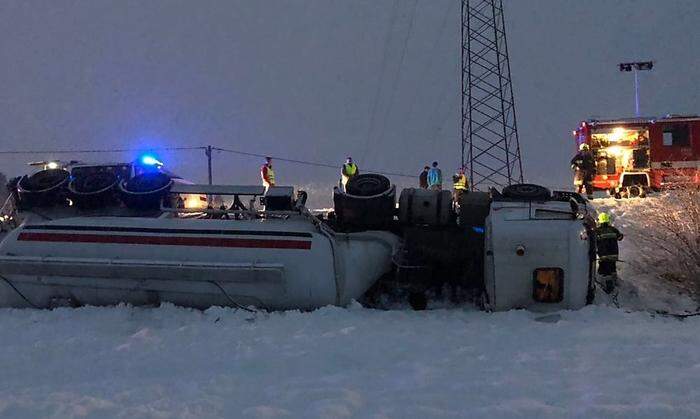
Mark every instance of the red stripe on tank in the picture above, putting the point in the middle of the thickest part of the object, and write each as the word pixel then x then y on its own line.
pixel 166 240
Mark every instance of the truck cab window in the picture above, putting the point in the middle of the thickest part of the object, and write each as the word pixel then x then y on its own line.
pixel 677 136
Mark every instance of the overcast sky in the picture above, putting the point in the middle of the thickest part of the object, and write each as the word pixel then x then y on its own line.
pixel 321 79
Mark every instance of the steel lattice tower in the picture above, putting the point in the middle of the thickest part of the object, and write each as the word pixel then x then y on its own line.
pixel 490 146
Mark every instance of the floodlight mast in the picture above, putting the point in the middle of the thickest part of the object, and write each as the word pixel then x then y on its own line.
pixel 636 67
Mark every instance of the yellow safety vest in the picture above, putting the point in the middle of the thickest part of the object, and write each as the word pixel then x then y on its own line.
pixel 461 183
pixel 270 175
pixel 350 169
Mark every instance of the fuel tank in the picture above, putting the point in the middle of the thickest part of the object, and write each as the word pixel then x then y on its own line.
pixel 292 262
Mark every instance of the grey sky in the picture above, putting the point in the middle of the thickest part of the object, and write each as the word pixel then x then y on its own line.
pixel 300 78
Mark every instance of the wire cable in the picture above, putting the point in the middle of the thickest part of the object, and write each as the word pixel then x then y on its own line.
pixel 378 93
pixel 111 150
pixel 231 300
pixel 11 285
pixel 221 149
pixel 306 162
pixel 397 75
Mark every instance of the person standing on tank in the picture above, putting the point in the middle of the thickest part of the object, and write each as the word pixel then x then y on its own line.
pixel 267 173
pixel 435 178
pixel 423 178
pixel 461 186
pixel 348 172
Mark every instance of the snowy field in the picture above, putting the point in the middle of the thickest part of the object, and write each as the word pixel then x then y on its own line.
pixel 600 362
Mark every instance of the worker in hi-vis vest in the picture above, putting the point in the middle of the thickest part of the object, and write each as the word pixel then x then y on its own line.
pixel 267 173
pixel 461 185
pixel 348 171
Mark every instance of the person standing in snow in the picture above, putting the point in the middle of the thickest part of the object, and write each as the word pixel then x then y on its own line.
pixel 607 236
pixel 267 173
pixel 583 165
pixel 423 178
pixel 435 178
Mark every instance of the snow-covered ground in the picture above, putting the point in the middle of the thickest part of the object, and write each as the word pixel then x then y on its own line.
pixel 354 362
pixel 334 363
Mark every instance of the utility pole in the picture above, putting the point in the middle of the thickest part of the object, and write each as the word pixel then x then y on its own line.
pixel 208 153
pixel 490 143
pixel 636 67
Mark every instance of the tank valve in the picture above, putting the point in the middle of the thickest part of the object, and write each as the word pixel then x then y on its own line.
pixel 520 250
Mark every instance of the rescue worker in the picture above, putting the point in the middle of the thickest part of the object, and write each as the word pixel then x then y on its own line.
pixel 607 237
pixel 583 164
pixel 423 178
pixel 435 178
pixel 348 171
pixel 461 186
pixel 267 173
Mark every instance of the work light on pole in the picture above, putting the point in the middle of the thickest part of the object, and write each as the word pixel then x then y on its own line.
pixel 636 67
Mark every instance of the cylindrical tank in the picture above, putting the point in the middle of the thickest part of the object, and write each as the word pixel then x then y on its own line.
pixel 425 207
pixel 276 263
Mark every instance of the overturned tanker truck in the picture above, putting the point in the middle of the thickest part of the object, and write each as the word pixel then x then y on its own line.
pixel 105 234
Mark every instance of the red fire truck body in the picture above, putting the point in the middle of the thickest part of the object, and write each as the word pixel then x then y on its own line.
pixel 643 152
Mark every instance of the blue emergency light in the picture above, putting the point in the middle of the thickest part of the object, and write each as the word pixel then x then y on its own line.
pixel 149 160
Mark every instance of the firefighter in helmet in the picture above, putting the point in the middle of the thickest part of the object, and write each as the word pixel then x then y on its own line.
pixel 607 237
pixel 348 171
pixel 267 173
pixel 583 165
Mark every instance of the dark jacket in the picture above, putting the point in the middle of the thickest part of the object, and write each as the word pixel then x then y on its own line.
pixel 423 179
pixel 607 237
pixel 584 161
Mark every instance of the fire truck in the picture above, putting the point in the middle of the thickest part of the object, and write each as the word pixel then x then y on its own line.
pixel 635 155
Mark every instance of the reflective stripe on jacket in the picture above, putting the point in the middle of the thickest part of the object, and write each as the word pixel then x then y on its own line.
pixel 267 174
pixel 461 182
pixel 349 169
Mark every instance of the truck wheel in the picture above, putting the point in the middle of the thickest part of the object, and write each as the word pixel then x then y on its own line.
pixel 634 191
pixel 368 184
pixel 527 191
pixel 418 301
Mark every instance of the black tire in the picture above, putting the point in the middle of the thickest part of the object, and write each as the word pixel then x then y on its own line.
pixel 145 191
pixel 147 182
pixel 43 189
pixel 418 301
pixel 368 184
pixel 94 190
pixel 93 183
pixel 44 180
pixel 634 191
pixel 527 191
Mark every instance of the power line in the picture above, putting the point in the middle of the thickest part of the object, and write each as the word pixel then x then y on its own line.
pixel 306 162
pixel 111 150
pixel 204 148
pixel 378 93
pixel 397 76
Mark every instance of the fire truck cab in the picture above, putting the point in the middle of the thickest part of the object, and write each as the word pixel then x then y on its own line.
pixel 637 154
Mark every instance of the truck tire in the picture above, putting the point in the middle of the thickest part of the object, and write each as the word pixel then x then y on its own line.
pixel 527 191
pixel 145 191
pixel 368 184
pixel 94 190
pixel 43 189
